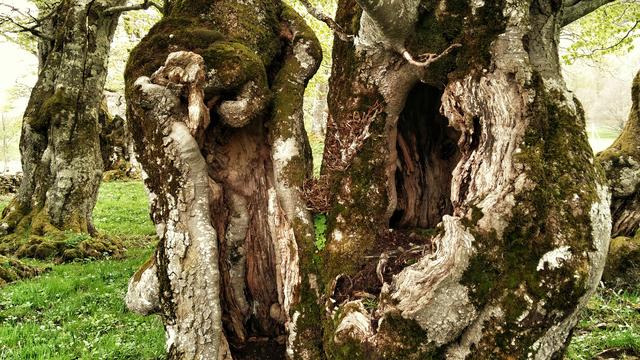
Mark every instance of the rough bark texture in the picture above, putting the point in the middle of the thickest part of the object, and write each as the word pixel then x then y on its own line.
pixel 466 218
pixel 59 143
pixel 215 106
pixel 116 144
pixel 525 218
pixel 621 163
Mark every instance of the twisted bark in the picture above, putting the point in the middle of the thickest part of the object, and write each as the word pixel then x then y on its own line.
pixel 621 163
pixel 466 217
pixel 220 135
pixel 525 216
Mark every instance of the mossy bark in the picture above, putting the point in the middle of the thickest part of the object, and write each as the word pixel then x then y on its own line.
pixel 59 142
pixel 623 263
pixel 524 212
pixel 521 214
pixel 215 106
pixel 116 146
pixel 621 163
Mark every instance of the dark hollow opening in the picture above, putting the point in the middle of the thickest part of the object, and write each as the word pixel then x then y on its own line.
pixel 427 154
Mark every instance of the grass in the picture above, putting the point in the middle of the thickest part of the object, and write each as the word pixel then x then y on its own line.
pixel 122 209
pixel 76 311
pixel 609 326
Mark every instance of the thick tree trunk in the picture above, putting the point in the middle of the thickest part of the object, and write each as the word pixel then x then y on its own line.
pixel 215 106
pixel 466 218
pixel 621 163
pixel 60 135
pixel 524 218
pixel 116 144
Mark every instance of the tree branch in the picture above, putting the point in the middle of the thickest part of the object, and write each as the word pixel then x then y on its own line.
pixel 576 9
pixel 618 42
pixel 332 24
pixel 33 30
pixel 142 6
pixel 425 60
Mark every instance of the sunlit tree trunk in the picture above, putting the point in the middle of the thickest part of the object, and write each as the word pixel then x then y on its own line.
pixel 465 216
pixel 60 134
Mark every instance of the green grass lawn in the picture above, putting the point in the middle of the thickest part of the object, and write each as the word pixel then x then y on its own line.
pixel 609 326
pixel 76 311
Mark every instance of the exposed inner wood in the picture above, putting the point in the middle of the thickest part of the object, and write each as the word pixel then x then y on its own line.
pixel 427 154
pixel 239 161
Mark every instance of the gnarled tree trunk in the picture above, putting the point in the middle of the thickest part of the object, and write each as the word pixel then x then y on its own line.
pixel 465 217
pixel 621 163
pixel 116 144
pixel 215 106
pixel 525 218
pixel 59 143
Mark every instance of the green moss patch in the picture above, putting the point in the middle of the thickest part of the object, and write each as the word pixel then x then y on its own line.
pixel 12 269
pixel 62 246
pixel 623 263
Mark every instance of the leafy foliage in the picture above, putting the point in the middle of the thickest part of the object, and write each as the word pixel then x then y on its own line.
pixel 320 226
pixel 611 29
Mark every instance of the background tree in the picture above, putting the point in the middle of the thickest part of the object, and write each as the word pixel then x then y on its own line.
pixel 59 142
pixel 464 214
pixel 621 163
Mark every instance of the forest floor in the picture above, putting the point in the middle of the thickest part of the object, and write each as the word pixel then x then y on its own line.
pixel 76 310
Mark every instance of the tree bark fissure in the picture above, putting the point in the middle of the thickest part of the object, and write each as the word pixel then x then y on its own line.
pixel 505 102
pixel 255 156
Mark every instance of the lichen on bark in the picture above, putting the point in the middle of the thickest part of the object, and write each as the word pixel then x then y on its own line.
pixel 249 150
pixel 59 142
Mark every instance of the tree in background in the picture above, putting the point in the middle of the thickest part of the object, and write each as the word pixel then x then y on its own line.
pixel 592 49
pixel 464 215
pixel 612 30
pixel 59 142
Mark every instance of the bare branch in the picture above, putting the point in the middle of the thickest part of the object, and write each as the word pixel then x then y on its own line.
pixel 32 26
pixel 332 24
pixel 576 9
pixel 428 59
pixel 142 6
pixel 33 30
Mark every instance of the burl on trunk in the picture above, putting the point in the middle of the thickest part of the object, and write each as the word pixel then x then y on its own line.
pixel 465 217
